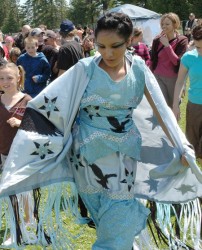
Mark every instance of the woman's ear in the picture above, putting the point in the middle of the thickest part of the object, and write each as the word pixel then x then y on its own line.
pixel 129 41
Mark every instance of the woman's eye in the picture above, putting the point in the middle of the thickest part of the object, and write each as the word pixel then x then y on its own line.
pixel 100 46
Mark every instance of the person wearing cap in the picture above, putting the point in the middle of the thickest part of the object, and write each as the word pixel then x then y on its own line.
pixel 71 51
pixel 38 34
pixel 50 38
pixel 51 50
pixel 191 23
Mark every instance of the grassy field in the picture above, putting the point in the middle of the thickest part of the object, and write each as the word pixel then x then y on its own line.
pixel 87 235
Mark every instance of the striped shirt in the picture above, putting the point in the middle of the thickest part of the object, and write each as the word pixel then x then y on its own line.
pixel 142 50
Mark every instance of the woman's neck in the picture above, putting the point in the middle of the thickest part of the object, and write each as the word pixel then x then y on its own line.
pixel 116 73
pixel 171 35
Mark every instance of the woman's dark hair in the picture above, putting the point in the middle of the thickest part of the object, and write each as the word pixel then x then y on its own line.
pixel 118 22
pixel 197 33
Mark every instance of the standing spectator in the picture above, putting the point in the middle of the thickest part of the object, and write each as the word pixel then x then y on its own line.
pixel 36 67
pixel 79 31
pixel 45 46
pixel 19 39
pixel 70 51
pixel 88 46
pixel 69 54
pixel 14 54
pixel 9 41
pixel 191 64
pixel 12 105
pixel 43 27
pixel 190 24
pixel 51 50
pixel 38 34
pixel 86 31
pixel 140 48
pixel 50 38
pixel 166 51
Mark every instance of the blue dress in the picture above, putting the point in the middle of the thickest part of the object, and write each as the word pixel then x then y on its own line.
pixel 105 151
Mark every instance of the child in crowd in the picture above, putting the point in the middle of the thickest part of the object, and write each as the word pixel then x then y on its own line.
pixel 140 48
pixel 12 107
pixel 36 66
pixel 14 54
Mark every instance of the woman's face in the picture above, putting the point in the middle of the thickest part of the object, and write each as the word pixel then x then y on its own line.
pixel 198 46
pixel 137 39
pixel 112 47
pixel 167 25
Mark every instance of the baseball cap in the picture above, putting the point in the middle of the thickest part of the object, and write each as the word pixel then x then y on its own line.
pixel 36 32
pixel 66 26
pixel 50 34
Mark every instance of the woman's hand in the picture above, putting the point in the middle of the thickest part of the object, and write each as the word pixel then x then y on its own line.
pixel 176 111
pixel 184 162
pixel 164 40
pixel 14 122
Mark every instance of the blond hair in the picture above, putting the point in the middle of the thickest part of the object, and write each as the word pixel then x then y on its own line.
pixel 31 39
pixel 19 71
pixel 137 31
pixel 174 19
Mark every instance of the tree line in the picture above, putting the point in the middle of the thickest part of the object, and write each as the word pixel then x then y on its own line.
pixel 84 12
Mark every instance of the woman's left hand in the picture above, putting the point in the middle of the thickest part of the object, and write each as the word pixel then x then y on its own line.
pixel 14 122
pixel 184 162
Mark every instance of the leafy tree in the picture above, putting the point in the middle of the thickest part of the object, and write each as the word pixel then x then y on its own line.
pixel 11 22
pixel 85 12
pixel 48 12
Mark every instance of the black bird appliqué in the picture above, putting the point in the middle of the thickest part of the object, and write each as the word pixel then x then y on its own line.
pixel 119 127
pixel 103 179
pixel 75 159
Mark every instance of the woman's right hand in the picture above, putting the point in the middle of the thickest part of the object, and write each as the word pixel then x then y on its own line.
pixel 176 111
